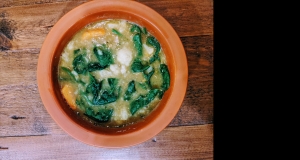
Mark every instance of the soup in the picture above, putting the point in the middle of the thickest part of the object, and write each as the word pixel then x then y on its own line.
pixel 113 72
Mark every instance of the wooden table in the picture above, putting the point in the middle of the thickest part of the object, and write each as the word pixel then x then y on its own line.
pixel 28 132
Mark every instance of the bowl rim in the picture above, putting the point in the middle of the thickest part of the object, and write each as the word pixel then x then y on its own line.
pixel 111 141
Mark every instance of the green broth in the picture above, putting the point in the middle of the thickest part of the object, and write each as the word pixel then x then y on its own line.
pixel 113 73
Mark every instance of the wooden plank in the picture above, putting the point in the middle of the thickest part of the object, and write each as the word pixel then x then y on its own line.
pixel 188 17
pixel 18 66
pixel 18 85
pixel 197 107
pixel 186 142
pixel 14 3
pixel 22 112
pixel 193 18
pixel 32 24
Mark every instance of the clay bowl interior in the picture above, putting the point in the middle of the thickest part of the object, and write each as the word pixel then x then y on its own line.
pixel 62 33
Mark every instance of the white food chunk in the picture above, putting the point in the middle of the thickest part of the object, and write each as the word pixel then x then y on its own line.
pixel 121 113
pixel 116 39
pixel 103 74
pixel 122 26
pixel 115 69
pixel 70 46
pixel 124 56
pixel 75 75
pixel 112 25
pixel 65 57
pixel 148 49
pixel 142 110
pixel 123 69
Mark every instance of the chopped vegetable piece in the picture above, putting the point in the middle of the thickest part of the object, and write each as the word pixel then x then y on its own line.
pixel 95 66
pixel 138 66
pixel 166 79
pixel 103 55
pixel 138 44
pixel 103 115
pixel 114 31
pixel 93 33
pixel 80 64
pixel 142 101
pixel 68 93
pixel 135 29
pixel 131 89
pixel 153 42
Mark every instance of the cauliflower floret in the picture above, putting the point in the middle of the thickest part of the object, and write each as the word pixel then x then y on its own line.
pixel 124 56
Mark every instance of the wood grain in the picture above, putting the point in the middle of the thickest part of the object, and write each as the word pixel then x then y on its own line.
pixel 197 107
pixel 15 3
pixel 188 17
pixel 188 142
pixel 33 24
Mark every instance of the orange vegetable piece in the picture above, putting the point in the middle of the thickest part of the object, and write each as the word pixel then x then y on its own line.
pixel 93 33
pixel 68 93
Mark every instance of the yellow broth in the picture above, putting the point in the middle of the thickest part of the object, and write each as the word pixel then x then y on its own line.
pixel 85 88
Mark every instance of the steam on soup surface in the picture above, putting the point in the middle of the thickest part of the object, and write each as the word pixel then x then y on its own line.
pixel 113 72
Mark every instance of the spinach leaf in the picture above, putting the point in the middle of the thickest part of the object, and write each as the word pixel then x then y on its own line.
pixel 161 93
pixel 151 95
pixel 153 42
pixel 148 74
pixel 76 51
pixel 166 79
pixel 94 66
pixel 145 86
pixel 103 55
pixel 144 30
pixel 136 105
pixel 66 74
pixel 94 87
pixel 82 101
pixel 114 31
pixel 166 76
pixel 135 29
pixel 142 101
pixel 80 64
pixel 103 115
pixel 137 41
pixel 108 96
pixel 138 66
pixel 79 51
pixel 131 89
pixel 113 84
pixel 105 98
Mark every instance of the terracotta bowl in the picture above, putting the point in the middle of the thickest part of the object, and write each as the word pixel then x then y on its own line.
pixel 63 31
